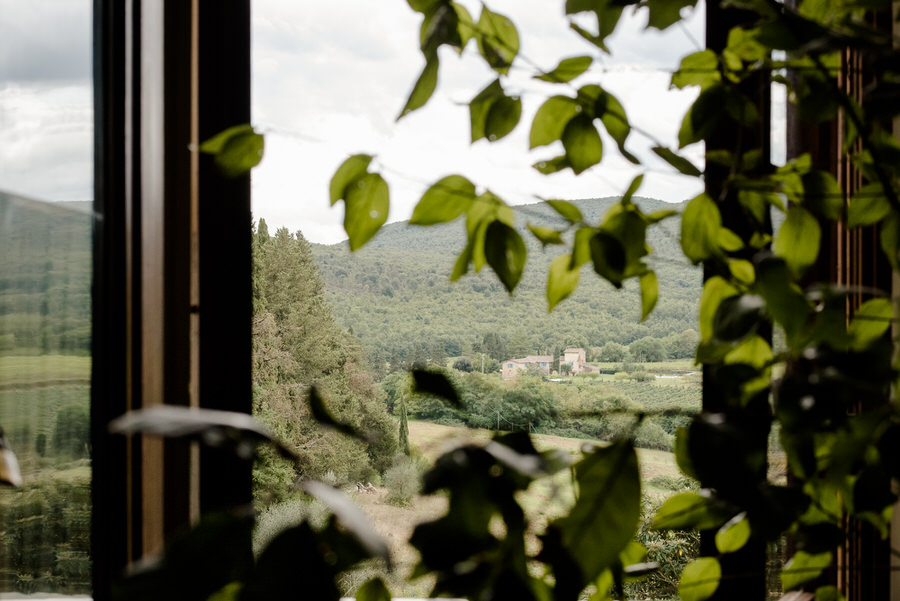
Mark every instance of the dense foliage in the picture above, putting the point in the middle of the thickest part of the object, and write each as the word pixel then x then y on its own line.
pixel 297 344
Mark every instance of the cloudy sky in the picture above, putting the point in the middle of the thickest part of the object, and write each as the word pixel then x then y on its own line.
pixel 329 78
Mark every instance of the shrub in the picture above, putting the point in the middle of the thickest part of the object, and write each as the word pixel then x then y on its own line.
pixel 403 481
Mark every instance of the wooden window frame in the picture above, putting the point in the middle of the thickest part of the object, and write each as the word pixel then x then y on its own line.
pixel 172 266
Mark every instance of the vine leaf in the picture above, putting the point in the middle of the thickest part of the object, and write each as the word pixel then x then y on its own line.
pixel 688 510
pixel 236 150
pixel 492 114
pixel 367 201
pixel 804 567
pixel 567 69
pixel 869 205
pixel 649 293
pixel 435 383
pixel 798 239
pixel 505 252
pixel 351 169
pixel 561 280
pixel 664 13
pixel 734 534
pixel 323 416
pixel 551 119
pixel 700 579
pixel 444 201
pixel 424 87
pixel 698 69
pixel 700 225
pixel 582 142
pixel 498 40
pixel 566 210
pixel 870 322
pixel 677 161
pixel 605 516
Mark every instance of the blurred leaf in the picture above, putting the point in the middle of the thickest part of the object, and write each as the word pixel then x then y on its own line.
pixel 352 518
pixel 506 253
pixel 608 15
pixel 237 150
pixel 677 161
pixel 350 170
pixel 545 235
pixel 465 25
pixel 554 165
pixel 444 201
pixel 605 516
pixel 373 590
pixel 608 256
pixel 698 69
pixel 869 205
pixel 567 70
pixel 738 316
pixel 323 416
pixel 664 13
pixel 632 189
pixel 797 241
pixel 502 117
pixel 700 225
pixel 498 40
pixel 437 384
pixel 689 510
pixel 582 142
pixel 890 240
pixel 612 114
pixel 424 87
pixel 550 120
pixel 870 322
pixel 822 195
pixel 649 293
pixel 700 579
pixel 367 201
pixel 734 534
pixel 715 290
pixel 561 280
pixel 480 106
pixel 803 567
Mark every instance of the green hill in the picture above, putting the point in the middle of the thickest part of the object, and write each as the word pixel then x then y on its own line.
pixel 395 295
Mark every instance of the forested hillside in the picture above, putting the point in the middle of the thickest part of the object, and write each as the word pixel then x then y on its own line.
pixel 297 344
pixel 396 297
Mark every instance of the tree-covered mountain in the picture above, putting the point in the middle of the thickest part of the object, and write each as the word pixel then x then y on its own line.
pixel 396 297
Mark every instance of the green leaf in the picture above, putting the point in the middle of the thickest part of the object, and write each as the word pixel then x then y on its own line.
pixel 546 235
pixel 890 240
pixel 698 69
pixel 804 567
pixel 567 70
pixel 422 6
pixel 649 293
pixel 870 322
pixel 688 510
pixel 738 316
pixel 609 257
pixel 632 189
pixel 351 169
pixel 664 13
pixel 582 142
pixel 561 280
pixel 373 590
pixel 502 118
pixel 728 241
pixel 480 106
pixel 734 534
pixel 869 205
pixel 367 202
pixel 700 225
pixel 440 26
pixel 605 516
pixel 829 593
pixel 715 290
pixel 704 116
pixel 237 150
pixel 435 383
pixel 553 165
pixel 612 114
pixel 700 579
pixel 822 195
pixel 566 210
pixel 798 239
pixel 608 15
pixel 465 25
pixel 551 119
pixel 677 161
pixel 323 416
pixel 498 40
pixel 506 253
pixel 742 270
pixel 444 201
pixel 424 87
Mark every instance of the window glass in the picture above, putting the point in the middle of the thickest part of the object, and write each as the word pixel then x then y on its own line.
pixel 46 182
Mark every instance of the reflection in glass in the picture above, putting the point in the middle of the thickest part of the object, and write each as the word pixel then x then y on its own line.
pixel 45 329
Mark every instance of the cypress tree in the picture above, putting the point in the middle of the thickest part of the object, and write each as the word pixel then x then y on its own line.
pixel 404 430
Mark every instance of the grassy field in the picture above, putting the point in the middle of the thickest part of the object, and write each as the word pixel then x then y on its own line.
pixel 544 501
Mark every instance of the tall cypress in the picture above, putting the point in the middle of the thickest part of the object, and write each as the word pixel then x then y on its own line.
pixel 404 430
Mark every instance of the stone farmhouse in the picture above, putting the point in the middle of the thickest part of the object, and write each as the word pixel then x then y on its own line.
pixel 511 367
pixel 575 359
